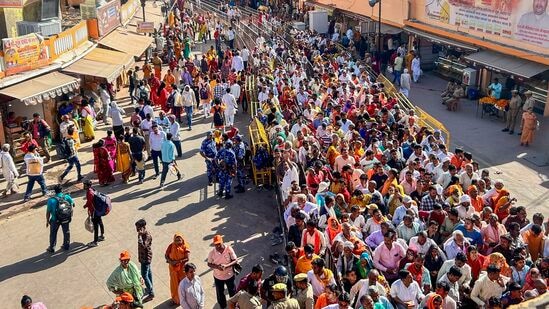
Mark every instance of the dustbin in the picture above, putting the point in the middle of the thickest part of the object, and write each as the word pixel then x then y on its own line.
pixel 472 93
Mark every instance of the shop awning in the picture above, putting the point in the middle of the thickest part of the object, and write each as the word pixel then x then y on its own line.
pixel 41 88
pixel 104 70
pixel 110 56
pixel 441 40
pixel 387 29
pixel 504 63
pixel 129 43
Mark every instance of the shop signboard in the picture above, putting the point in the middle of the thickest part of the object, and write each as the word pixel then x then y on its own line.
pixel 526 21
pixel 11 3
pixel 145 27
pixel 128 10
pixel 108 17
pixel 24 53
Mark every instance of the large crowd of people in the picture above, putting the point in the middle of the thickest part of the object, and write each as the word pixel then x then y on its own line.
pixel 378 212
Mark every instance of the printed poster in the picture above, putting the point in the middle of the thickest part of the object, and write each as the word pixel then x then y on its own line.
pixel 522 20
pixel 24 53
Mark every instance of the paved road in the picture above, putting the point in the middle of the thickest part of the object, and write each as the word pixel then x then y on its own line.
pixel 77 278
pixel 492 148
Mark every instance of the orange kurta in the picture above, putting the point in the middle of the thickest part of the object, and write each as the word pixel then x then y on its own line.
pixel 533 243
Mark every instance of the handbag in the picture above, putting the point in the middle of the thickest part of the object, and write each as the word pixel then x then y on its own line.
pixel 88 224
pixel 237 268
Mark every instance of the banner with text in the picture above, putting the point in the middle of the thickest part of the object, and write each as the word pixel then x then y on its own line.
pixel 11 3
pixel 24 53
pixel 108 17
pixel 526 21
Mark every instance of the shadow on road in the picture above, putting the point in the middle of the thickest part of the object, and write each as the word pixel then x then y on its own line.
pixel 40 262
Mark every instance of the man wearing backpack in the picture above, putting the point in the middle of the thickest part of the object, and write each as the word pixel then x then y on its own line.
pixel 95 212
pixel 71 156
pixel 59 214
pixel 188 98
pixel 205 95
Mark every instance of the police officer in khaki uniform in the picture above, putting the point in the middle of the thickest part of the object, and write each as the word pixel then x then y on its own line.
pixel 304 292
pixel 512 112
pixel 281 301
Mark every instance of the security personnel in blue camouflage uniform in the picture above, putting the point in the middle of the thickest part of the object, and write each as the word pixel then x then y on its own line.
pixel 226 160
pixel 208 151
pixel 240 152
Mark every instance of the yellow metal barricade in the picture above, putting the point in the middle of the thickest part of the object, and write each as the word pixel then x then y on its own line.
pixel 259 139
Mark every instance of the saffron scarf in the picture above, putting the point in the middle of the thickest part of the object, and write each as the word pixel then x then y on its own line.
pixel 417 274
pixel 331 231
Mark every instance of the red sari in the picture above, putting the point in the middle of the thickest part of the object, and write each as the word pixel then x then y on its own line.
pixel 154 83
pixel 476 265
pixel 101 165
pixel 162 99
pixel 110 145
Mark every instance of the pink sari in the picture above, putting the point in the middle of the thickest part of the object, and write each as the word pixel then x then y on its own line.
pixel 110 144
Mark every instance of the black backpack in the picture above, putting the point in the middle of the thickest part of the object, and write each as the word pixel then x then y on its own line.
pixel 101 203
pixel 217 117
pixel 143 94
pixel 203 93
pixel 63 211
pixel 171 100
pixel 63 149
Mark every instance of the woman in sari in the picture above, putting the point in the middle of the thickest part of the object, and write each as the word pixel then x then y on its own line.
pixel 498 259
pixel 123 159
pixel 177 255
pixel 532 275
pixel 110 144
pixel 126 278
pixel 177 49
pixel 101 165
pixel 363 265
pixel 187 48
pixel 75 134
pixel 226 68
pixel 502 203
pixel 408 258
pixel 434 302
pixel 88 119
pixel 529 125
pixel 162 95
pixel 341 206
pixel 332 230
pixel 433 262
pixel 154 84
pixel 476 261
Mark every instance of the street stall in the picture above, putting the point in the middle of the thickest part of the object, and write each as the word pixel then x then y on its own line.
pixel 443 55
pixel 514 74
pixel 44 95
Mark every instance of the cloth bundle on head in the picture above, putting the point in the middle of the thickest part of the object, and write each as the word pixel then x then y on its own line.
pixel 323 186
pixel 465 199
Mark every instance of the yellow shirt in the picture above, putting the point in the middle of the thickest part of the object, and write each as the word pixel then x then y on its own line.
pixel 332 154
pixel 303 264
